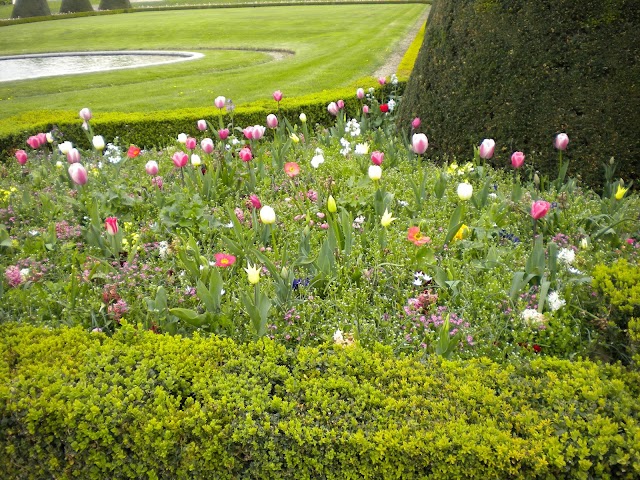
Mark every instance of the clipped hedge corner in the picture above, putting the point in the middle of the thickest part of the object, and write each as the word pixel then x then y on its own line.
pixel 138 405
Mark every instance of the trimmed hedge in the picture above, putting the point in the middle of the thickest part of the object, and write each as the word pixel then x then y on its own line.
pixel 30 8
pixel 80 405
pixel 158 129
pixel 72 6
pixel 520 71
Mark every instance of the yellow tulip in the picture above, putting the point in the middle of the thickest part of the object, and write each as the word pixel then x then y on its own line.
pixel 386 219
pixel 462 232
pixel 331 204
pixel 620 192
pixel 253 273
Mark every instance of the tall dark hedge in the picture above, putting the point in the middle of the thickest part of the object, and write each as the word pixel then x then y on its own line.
pixel 72 6
pixel 30 8
pixel 113 4
pixel 520 71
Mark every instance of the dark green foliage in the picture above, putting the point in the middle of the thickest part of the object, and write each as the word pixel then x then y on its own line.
pixel 72 6
pixel 30 8
pixel 139 405
pixel 520 71
pixel 114 4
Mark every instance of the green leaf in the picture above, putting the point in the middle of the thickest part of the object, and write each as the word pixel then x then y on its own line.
pixel 189 316
pixel 454 224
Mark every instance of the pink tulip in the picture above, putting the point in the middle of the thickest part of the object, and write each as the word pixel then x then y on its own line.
pixel 78 173
pixel 415 123
pixel 248 133
pixel 561 141
pixel 85 114
pixel 219 102
pixel 191 143
pixel 277 95
pixel 21 156
pixel 151 167
pixel 207 145
pixel 377 158
pixel 73 156
pixel 202 125
pixel 487 148
pixel 539 209
pixel 42 138
pixel 333 109
pixel 245 154
pixel 33 142
pixel 255 201
pixel 111 224
pixel 340 104
pixel 258 132
pixel 272 121
pixel 382 80
pixel 223 133
pixel 420 143
pixel 360 93
pixel 517 159
pixel 180 159
pixel 365 109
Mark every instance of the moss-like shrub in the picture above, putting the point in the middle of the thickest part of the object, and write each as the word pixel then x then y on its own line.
pixel 138 405
pixel 30 8
pixel 72 6
pixel 521 71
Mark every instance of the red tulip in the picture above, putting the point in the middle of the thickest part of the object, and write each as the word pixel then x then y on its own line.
pixel 111 224
pixel 133 151
pixel 384 108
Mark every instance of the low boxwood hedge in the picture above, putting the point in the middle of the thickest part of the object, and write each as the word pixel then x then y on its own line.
pixel 75 404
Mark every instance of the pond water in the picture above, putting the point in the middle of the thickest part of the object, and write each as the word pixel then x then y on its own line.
pixel 22 67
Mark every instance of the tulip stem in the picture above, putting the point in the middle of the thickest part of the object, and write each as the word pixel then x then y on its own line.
pixel 535 231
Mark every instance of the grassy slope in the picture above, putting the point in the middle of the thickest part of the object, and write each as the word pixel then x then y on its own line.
pixel 366 34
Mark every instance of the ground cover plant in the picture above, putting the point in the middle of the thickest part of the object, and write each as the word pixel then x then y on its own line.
pixel 308 60
pixel 305 233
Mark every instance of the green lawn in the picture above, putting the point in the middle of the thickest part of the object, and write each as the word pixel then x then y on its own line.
pixel 334 46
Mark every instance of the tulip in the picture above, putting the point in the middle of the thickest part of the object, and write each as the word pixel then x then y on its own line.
pixel 73 156
pixel 386 219
pixel 202 125
pixel 561 141
pixel 245 154
pixel 420 143
pixel 294 138
pixel 33 142
pixel 465 191
pixel 365 109
pixel 42 138
pixel 258 132
pixel 191 143
pixel 277 95
pixel 49 136
pixel 384 108
pixel 182 138
pixel 267 215
pixel 85 114
pixel 180 159
pixel 207 145
pixel 21 156
pixel 248 133
pixel 78 173
pixel 620 192
pixel 255 201
pixel 377 158
pixel 195 160
pixel 382 80
pixel 340 104
pixel 360 93
pixel 331 204
pixel 98 142
pixel 303 118
pixel 517 159
pixel 223 133
pixel 333 109
pixel 462 232
pixel 253 274
pixel 151 167
pixel 272 121
pixel 539 209
pixel 219 101
pixel 487 148
pixel 133 151
pixel 375 172
pixel 415 123
pixel 111 224
pixel 64 147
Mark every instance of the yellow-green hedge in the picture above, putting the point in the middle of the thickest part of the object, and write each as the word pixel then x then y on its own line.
pixel 138 405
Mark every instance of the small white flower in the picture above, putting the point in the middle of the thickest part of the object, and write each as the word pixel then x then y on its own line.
pixel 555 301
pixel 34 232
pixel 493 195
pixel 359 220
pixel 337 337
pixel 316 161
pixel 575 271
pixel 362 148
pixel 402 203
pixel 391 104
pixel 24 273
pixel 566 256
pixel 319 151
pixel 417 281
pixel 394 79
pixel 228 225
pixel 532 317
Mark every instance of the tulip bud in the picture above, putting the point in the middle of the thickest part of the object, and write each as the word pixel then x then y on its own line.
pixel 111 224
pixel 561 141
pixel 365 109
pixel 539 209
pixel 195 160
pixel 487 148
pixel 465 191
pixel 73 156
pixel 64 147
pixel 49 137
pixel 272 121
pixel 245 154
pixel 207 145
pixel 340 104
pixel 202 125
pixel 277 95
pixel 377 158
pixel 223 133
pixel 333 109
pixel 85 114
pixel 382 80
pixel 21 156
pixel 294 138
pixel 303 118
pixel 267 215
pixel 253 273
pixel 151 167
pixel 375 172
pixel 98 142
pixel 219 102
pixel 415 123
pixel 360 93
pixel 78 173
pixel 517 159
pixel 584 243
pixel 191 143
pixel 420 143
pixel 331 204
pixel 180 159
